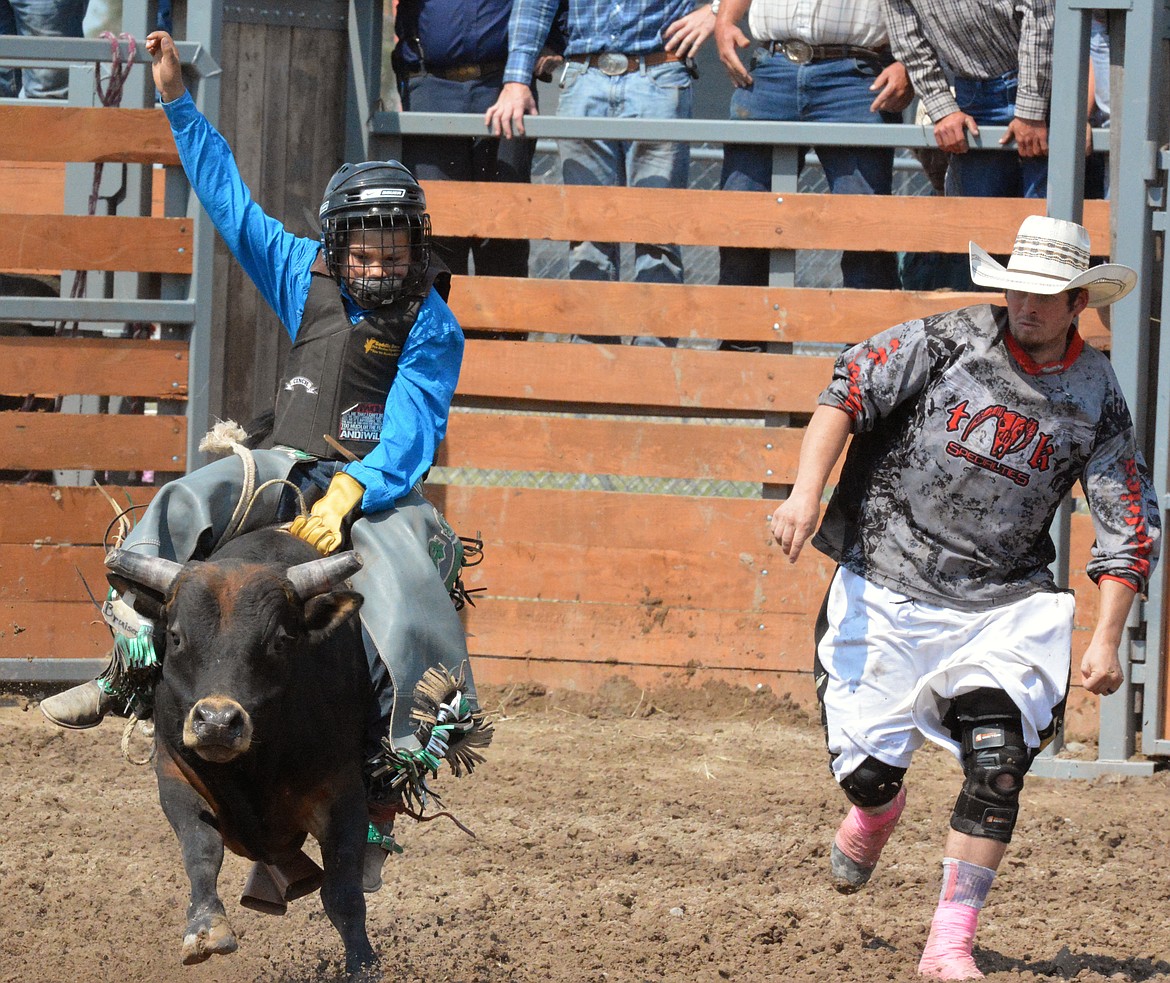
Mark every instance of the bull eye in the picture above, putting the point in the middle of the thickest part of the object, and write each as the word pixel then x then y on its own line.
pixel 174 640
pixel 279 643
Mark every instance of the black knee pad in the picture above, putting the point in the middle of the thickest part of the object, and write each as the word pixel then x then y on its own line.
pixel 873 784
pixel 995 759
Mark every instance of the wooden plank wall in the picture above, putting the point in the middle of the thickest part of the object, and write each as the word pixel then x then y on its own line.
pixel 50 537
pixel 284 116
pixel 612 571
pixel 582 584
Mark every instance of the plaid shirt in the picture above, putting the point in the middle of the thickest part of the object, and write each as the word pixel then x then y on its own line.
pixel 633 27
pixel 858 22
pixel 976 39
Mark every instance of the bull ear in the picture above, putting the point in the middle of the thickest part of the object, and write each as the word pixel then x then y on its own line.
pixel 325 613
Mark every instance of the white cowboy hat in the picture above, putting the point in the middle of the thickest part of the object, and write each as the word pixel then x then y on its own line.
pixel 1049 257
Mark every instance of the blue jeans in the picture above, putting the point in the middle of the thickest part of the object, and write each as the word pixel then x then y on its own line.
pixel 467 159
pixel 658 92
pixel 1097 166
pixel 835 91
pixel 988 173
pixel 39 18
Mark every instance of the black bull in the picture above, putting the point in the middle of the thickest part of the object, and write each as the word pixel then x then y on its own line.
pixel 260 715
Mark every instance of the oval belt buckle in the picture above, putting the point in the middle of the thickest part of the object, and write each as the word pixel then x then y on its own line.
pixel 800 52
pixel 613 63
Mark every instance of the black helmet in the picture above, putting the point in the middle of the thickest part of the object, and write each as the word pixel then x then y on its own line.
pixel 370 197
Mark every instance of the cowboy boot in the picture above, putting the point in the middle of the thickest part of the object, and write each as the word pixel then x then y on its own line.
pixel 124 686
pixel 81 707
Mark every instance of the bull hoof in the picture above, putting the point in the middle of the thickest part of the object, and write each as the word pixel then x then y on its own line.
pixel 362 966
pixel 207 938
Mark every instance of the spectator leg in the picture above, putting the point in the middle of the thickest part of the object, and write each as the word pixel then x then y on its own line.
pixel 850 171
pixel 50 19
pixel 439 158
pixel 838 91
pixel 9 77
pixel 746 167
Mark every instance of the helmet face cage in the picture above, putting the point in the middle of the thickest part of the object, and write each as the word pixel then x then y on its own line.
pixel 378 202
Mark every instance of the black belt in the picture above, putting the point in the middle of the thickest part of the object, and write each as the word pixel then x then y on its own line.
pixel 802 53
pixel 459 73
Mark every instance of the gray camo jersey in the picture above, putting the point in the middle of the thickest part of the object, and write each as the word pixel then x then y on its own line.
pixel 962 452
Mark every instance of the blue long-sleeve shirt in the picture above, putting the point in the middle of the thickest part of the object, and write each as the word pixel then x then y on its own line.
pixel 279 263
pixel 632 27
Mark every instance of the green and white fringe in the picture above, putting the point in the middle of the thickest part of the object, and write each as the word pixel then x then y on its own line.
pixel 450 728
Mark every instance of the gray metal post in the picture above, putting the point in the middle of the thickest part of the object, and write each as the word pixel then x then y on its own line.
pixel 1132 113
pixel 78 187
pixel 1068 113
pixel 364 76
pixel 785 180
pixel 1066 183
pixel 1066 178
pixel 1153 707
pixel 138 93
pixel 204 26
pixel 1133 48
pixel 782 273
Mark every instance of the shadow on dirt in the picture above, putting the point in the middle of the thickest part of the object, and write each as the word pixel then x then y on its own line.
pixel 1068 965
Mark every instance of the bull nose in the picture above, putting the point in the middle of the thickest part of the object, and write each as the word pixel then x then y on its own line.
pixel 227 718
pixel 217 722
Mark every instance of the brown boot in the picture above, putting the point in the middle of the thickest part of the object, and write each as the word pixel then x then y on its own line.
pixel 79 708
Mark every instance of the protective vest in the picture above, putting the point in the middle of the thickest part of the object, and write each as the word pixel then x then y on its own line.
pixel 338 374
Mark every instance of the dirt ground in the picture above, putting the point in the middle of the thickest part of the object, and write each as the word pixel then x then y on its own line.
pixel 680 835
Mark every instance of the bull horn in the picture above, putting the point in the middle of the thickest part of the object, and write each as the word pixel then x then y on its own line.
pixel 150 571
pixel 318 576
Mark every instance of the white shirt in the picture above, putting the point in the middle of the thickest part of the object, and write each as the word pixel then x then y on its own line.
pixel 857 22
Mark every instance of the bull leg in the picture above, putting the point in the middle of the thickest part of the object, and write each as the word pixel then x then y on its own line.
pixel 207 932
pixel 343 846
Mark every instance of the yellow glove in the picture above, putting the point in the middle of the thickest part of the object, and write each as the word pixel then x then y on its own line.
pixel 322 528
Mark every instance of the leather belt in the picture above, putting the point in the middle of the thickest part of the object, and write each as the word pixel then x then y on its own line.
pixel 615 63
pixel 461 73
pixel 802 53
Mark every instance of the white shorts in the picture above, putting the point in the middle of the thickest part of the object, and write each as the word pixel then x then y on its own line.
pixel 893 665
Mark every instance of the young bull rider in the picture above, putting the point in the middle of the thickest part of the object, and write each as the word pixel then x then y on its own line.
pixel 943 620
pixel 375 358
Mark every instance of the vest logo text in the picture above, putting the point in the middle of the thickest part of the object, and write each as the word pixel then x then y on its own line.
pixel 304 383
pixel 376 347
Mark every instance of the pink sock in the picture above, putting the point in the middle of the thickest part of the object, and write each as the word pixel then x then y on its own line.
pixel 947 955
pixel 862 835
